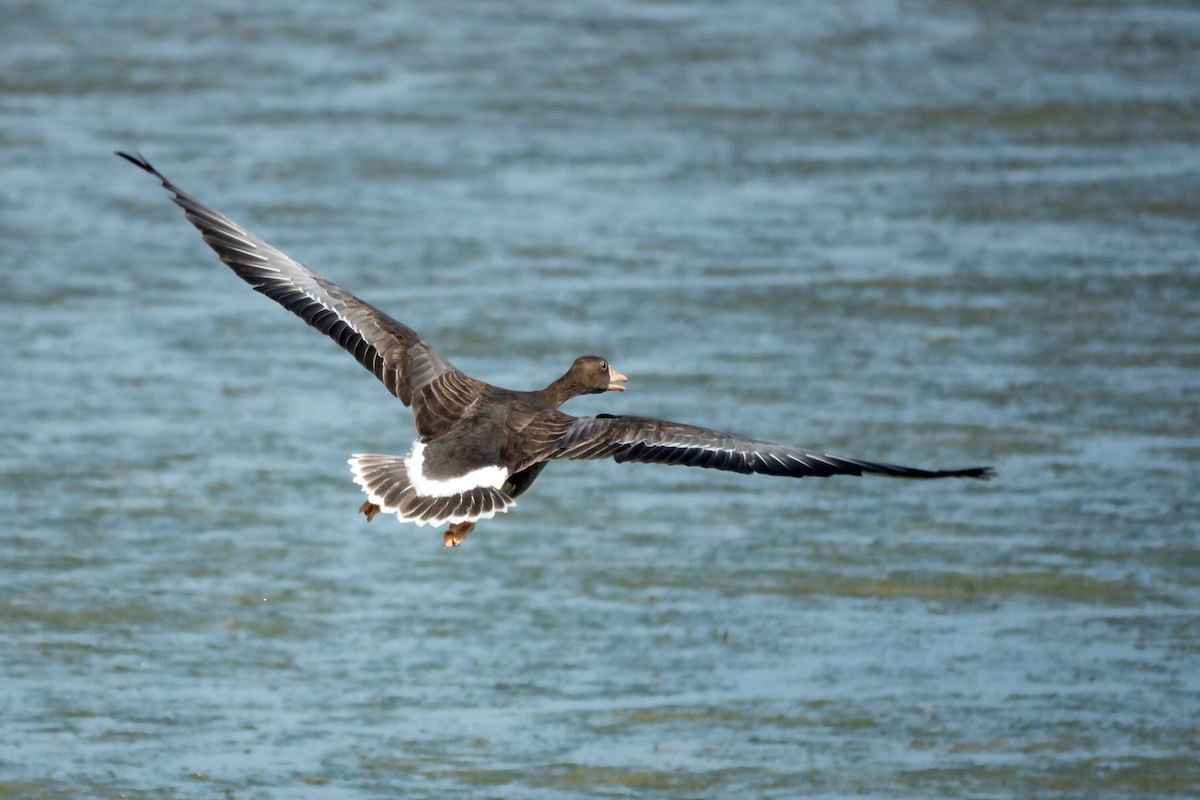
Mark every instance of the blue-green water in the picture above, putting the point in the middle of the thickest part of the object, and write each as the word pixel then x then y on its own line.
pixel 934 233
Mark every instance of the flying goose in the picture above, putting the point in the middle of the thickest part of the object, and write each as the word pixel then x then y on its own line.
pixel 480 446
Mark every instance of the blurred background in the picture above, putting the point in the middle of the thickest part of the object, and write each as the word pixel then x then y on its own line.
pixel 939 234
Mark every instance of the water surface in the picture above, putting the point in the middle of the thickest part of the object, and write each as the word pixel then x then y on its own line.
pixel 938 234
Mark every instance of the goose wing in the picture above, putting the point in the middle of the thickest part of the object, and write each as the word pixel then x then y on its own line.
pixel 657 441
pixel 393 352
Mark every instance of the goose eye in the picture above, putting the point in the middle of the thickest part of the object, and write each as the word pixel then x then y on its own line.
pixel 603 365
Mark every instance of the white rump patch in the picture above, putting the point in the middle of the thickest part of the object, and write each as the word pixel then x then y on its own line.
pixel 493 477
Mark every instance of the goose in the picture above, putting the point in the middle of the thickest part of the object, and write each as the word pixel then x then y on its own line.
pixel 480 446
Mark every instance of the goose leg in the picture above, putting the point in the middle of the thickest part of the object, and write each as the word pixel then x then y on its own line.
pixel 370 509
pixel 457 532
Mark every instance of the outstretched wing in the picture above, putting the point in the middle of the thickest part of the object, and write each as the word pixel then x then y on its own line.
pixel 392 351
pixel 656 441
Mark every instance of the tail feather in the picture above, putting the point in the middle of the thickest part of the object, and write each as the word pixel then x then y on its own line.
pixel 386 482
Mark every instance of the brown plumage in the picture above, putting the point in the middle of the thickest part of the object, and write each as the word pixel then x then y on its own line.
pixel 480 446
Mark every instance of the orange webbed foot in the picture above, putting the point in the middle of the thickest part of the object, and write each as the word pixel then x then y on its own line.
pixel 455 535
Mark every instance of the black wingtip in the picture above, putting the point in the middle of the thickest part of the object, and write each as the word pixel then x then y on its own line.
pixel 979 473
pixel 138 160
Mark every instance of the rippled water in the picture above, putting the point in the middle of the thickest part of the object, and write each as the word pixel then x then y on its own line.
pixel 935 233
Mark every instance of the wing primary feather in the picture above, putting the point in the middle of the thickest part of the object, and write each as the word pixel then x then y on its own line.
pixel 655 441
pixel 392 351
